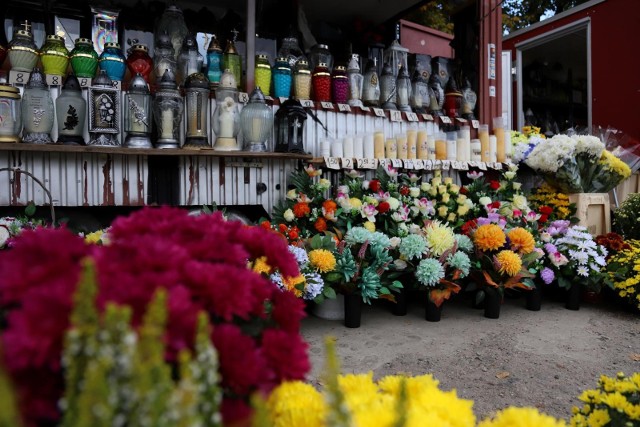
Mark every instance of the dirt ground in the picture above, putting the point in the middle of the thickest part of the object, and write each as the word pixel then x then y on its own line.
pixel 543 359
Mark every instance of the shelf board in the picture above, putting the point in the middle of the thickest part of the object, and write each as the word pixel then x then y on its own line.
pixel 92 149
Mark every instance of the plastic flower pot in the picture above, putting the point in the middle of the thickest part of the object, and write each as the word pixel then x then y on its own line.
pixel 352 310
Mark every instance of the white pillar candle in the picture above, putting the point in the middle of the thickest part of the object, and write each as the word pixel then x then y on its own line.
pixel 431 147
pixel 166 131
pixel 465 133
pixel 476 150
pixel 461 150
pixel 369 152
pixel 347 146
pixel 493 146
pixel 336 149
pixel 452 148
pixel 508 148
pixel 358 146
pixel 325 148
pixel 226 125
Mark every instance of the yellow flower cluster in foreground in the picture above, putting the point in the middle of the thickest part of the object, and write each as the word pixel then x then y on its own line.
pixel 624 272
pixel 522 417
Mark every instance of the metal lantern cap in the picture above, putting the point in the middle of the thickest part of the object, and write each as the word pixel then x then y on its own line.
pixel 173 8
pixel 23 33
pixel 323 46
pixel 214 45
pixel 340 68
pixel 228 80
pixel 231 48
pixel 71 84
pixel 103 80
pixel 140 46
pixel 189 42
pixel 262 56
pixel 36 80
pixel 197 81
pixel 112 44
pixel 55 37
pixel 257 97
pixel 322 64
pixel 83 40
pixel 303 62
pixel 138 85
pixel 282 59
pixel 168 80
pixel 387 70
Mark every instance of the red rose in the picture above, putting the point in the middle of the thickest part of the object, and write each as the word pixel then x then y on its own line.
pixel 494 205
pixel 546 210
pixel 384 207
pixel 266 225
pixel 374 185
pixel 494 184
pixel 320 225
pixel 404 190
pixel 464 190
pixel 543 218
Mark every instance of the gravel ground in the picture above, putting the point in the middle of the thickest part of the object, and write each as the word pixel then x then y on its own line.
pixel 543 359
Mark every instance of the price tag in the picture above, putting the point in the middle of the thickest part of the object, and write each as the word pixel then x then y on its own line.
pixel 408 164
pixel 243 97
pixel 326 105
pixel 475 124
pixel 412 117
pixel 347 163
pixel 482 166
pixel 366 163
pixel 472 164
pixel 332 163
pixel 461 120
pixel 427 117
pixel 428 165
pixel 383 163
pixel 345 108
pixel 445 119
pixel 418 164
pixel 437 164
pixel 464 166
pixel 18 77
pixel 446 165
pixel 117 84
pixel 397 163
pixel 455 165
pixel 395 115
pixel 281 99
pixel 379 112
pixel 307 103
pixel 53 80
pixel 366 109
pixel 498 166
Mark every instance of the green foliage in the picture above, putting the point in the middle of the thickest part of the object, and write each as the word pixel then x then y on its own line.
pixel 204 369
pixel 626 219
pixel 435 14
pixel 517 14
pixel 338 414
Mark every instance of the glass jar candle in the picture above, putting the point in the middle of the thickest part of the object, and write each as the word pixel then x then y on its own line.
pixel 282 78
pixel 290 49
pixel 10 114
pixel 263 74
pixel 37 110
pixel 302 80
pixel 371 86
pixel 321 83
pixel 168 107
pixel 137 115
pixel 163 56
pixel 419 92
pixel 403 90
pixel 356 80
pixel 388 88
pixel 340 85
pixel 23 53
pixel 71 110
pixel 256 121
pixel 189 61
pixel 172 23
pixel 320 54
pixel 232 61
pixel 225 120
pixel 112 61
pixel 139 61
pixel 104 113
pixel 84 59
pixel 214 62
pixel 54 56
pixel 196 92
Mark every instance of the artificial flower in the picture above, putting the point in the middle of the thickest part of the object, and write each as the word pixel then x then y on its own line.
pixel 323 260
pixel 521 240
pixel 429 272
pixel 289 215
pixel 439 237
pixel 489 237
pixel 509 263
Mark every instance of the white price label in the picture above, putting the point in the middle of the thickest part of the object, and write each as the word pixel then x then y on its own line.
pixel 379 112
pixel 281 99
pixel 363 108
pixel 53 80
pixel 445 119
pixel 117 84
pixel 446 165
pixel 408 164
pixel 326 105
pixel 428 117
pixel 461 120
pixel 395 115
pixel 397 163
pixel 332 162
pixel 412 117
pixel 383 163
pixel 18 77
pixel 85 82
pixel 498 166
pixel 475 124
pixel 418 164
pixel 243 97
pixel 482 166
pixel 307 103
pixel 347 163
pixel 428 164
pixel 472 164
pixel 345 108
pixel 455 165
pixel 366 163
pixel 437 164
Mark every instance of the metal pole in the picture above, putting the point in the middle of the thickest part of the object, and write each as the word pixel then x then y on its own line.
pixel 251 44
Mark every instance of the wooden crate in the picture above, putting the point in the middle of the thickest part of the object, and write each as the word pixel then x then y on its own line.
pixel 626 187
pixel 594 211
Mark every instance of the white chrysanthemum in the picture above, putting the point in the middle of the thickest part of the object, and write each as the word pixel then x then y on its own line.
pixel 300 255
pixel 582 270
pixel 589 144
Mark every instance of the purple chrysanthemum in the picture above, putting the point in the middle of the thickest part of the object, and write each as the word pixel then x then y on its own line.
pixel 547 275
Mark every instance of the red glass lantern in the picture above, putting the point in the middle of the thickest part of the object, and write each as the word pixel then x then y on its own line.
pixel 139 61
pixel 321 83
pixel 452 99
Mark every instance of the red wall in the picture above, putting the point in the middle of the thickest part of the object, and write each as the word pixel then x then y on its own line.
pixel 425 40
pixel 615 61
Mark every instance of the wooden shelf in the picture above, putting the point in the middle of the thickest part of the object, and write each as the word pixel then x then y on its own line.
pixel 56 148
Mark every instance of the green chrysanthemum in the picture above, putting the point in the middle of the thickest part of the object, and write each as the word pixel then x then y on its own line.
pixel 429 272
pixel 357 235
pixel 460 261
pixel 369 284
pixel 464 242
pixel 412 246
pixel 380 239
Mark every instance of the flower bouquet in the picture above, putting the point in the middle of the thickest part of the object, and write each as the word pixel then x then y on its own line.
pixel 626 219
pixel 524 142
pixel 577 164
pixel 551 204
pixel 446 199
pixel 623 271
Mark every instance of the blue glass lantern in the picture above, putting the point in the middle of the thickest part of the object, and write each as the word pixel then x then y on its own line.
pixel 282 78
pixel 112 61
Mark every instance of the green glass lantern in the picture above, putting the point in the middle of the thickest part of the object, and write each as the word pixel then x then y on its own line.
pixel 232 61
pixel 54 56
pixel 84 59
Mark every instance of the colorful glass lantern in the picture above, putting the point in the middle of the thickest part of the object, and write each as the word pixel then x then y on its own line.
pixel 339 85
pixel 321 83
pixel 214 62
pixel 289 127
pixel 469 99
pixel 196 90
pixel 290 49
pixel 104 111
pixel 112 61
pixel 371 85
pixel 54 56
pixel 356 80
pixel 419 92
pixel 388 88
pixel 256 120
pixel 397 57
pixel 232 61
pixel 10 114
pixel 226 117
pixel 71 110
pixel 403 90
pixel 168 107
pixel 172 23
pixel 139 61
pixel 320 54
pixel 37 110
pixel 302 80
pixel 163 56
pixel 452 99
pixel 263 73
pixel 84 59
pixel 436 101
pixel 137 117
pixel 23 52
pixel 190 60
pixel 282 78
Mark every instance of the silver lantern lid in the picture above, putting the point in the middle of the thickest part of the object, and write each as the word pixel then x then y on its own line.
pixel 197 81
pixel 36 80
pixel 168 80
pixel 138 85
pixel 102 80
pixel 257 97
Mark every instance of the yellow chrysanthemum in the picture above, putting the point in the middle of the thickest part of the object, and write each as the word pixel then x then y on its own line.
pixel 439 237
pixel 323 260
pixel 489 237
pixel 370 226
pixel 96 238
pixel 521 241
pixel 522 417
pixel 355 203
pixel 510 263
pixel 260 266
pixel 294 403
pixel 598 418
pixel 290 284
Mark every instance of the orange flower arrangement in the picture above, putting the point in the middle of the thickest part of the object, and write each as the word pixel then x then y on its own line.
pixel 329 206
pixel 489 237
pixel 521 241
pixel 301 209
pixel 510 263
pixel 320 225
